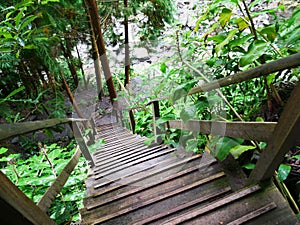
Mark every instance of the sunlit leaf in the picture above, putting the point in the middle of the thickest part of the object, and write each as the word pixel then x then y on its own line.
pixel 283 172
pixel 270 33
pixel 240 149
pixel 3 150
pixel 249 166
pixel 224 145
pixel 242 24
pixel 225 16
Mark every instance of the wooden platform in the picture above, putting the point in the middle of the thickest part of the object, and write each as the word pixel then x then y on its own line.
pixel 137 184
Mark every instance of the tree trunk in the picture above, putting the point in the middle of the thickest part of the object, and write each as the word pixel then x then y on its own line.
pixel 93 12
pixel 127 57
pixel 95 56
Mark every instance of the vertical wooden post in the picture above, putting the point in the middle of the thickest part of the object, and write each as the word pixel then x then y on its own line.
pixel 84 148
pixel 285 136
pixel 132 121
pixel 156 115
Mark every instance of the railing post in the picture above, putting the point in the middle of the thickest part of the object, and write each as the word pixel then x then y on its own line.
pixel 156 115
pixel 285 136
pixel 84 148
pixel 132 121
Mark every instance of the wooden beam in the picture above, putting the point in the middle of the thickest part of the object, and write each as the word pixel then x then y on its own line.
pixel 11 130
pixel 263 70
pixel 21 203
pixel 259 131
pixel 56 187
pixel 285 136
pixel 82 144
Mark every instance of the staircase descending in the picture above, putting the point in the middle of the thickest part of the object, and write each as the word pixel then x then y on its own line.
pixel 137 184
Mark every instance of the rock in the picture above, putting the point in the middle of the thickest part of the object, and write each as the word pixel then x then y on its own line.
pixel 140 53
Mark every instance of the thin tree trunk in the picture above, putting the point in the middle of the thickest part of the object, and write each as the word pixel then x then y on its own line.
pixel 127 57
pixel 81 68
pixel 93 12
pixel 95 56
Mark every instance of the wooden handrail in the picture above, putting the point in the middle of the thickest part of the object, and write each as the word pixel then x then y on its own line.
pixel 12 130
pixel 20 202
pixel 263 70
pixel 56 187
pixel 291 61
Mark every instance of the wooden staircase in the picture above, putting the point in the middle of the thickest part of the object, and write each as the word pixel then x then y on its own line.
pixel 132 183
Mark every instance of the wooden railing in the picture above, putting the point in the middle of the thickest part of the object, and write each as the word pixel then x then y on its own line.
pixel 279 136
pixel 36 214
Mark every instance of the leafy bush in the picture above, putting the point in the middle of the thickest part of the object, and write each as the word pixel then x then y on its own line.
pixel 35 174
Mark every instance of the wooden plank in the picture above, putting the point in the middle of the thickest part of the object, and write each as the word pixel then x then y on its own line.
pixel 159 198
pixel 134 161
pixel 259 131
pixel 147 175
pixel 254 214
pixel 145 159
pixel 136 152
pixel 285 136
pixel 21 203
pixel 263 70
pixel 47 199
pixel 212 206
pixel 184 206
pixel 96 203
pixel 12 130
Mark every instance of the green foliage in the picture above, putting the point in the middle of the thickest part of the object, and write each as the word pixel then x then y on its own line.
pixel 35 174
pixel 283 172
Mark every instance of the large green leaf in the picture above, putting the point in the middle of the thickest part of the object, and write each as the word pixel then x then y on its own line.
pixel 242 24
pixel 225 16
pixel 240 149
pixel 283 172
pixel 270 33
pixel 255 50
pixel 224 145
pixel 226 41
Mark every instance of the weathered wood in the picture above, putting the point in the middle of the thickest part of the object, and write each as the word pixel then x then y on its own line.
pixel 213 205
pixel 285 136
pixel 160 198
pixel 253 214
pixel 259 131
pixel 81 142
pixel 156 115
pixel 132 120
pixel 47 199
pixel 263 70
pixel 186 205
pixel 12 130
pixel 21 203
